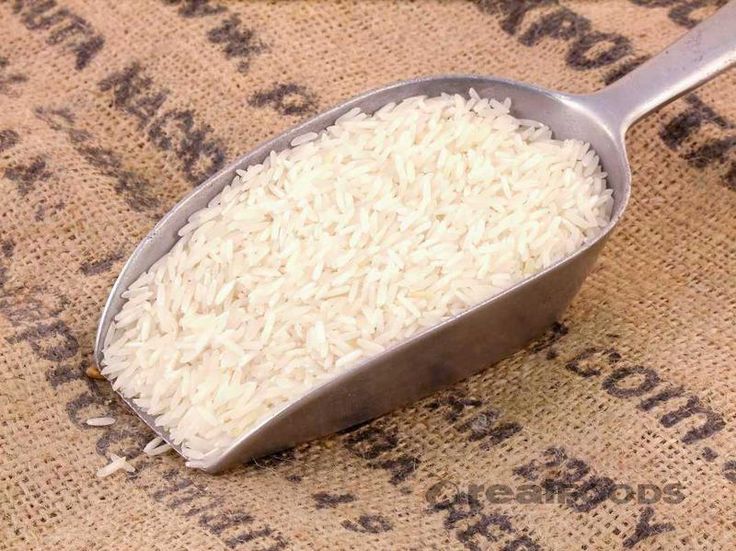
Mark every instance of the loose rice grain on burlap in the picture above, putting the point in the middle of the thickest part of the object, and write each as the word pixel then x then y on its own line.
pixel 110 112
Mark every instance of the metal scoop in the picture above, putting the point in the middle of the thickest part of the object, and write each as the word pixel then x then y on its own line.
pixel 497 327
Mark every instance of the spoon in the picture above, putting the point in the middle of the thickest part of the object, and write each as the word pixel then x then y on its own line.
pixel 471 341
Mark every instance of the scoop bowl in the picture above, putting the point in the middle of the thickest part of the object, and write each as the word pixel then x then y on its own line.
pixel 495 328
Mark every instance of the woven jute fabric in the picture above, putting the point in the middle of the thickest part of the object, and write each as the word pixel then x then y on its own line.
pixel 615 430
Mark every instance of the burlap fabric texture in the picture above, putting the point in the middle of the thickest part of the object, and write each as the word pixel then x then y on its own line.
pixel 111 111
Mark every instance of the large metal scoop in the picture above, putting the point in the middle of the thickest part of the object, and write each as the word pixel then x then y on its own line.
pixel 482 335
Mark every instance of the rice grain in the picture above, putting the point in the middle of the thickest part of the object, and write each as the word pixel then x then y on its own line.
pixel 100 421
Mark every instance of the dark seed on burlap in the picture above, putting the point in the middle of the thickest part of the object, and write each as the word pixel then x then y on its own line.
pixel 613 431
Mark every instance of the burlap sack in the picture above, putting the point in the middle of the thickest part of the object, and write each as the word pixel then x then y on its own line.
pixel 110 112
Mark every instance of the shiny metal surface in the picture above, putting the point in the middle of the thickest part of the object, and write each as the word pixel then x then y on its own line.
pixel 486 333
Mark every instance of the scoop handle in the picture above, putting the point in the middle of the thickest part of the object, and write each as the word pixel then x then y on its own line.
pixel 695 58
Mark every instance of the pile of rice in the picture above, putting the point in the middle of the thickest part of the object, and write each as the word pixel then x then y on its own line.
pixel 349 242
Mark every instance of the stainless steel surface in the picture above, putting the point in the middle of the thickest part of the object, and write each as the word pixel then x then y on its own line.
pixel 484 334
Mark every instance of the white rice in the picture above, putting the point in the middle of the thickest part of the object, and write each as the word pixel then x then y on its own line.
pixel 349 242
pixel 100 421
pixel 116 464
pixel 156 447
pixel 152 444
pixel 158 450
